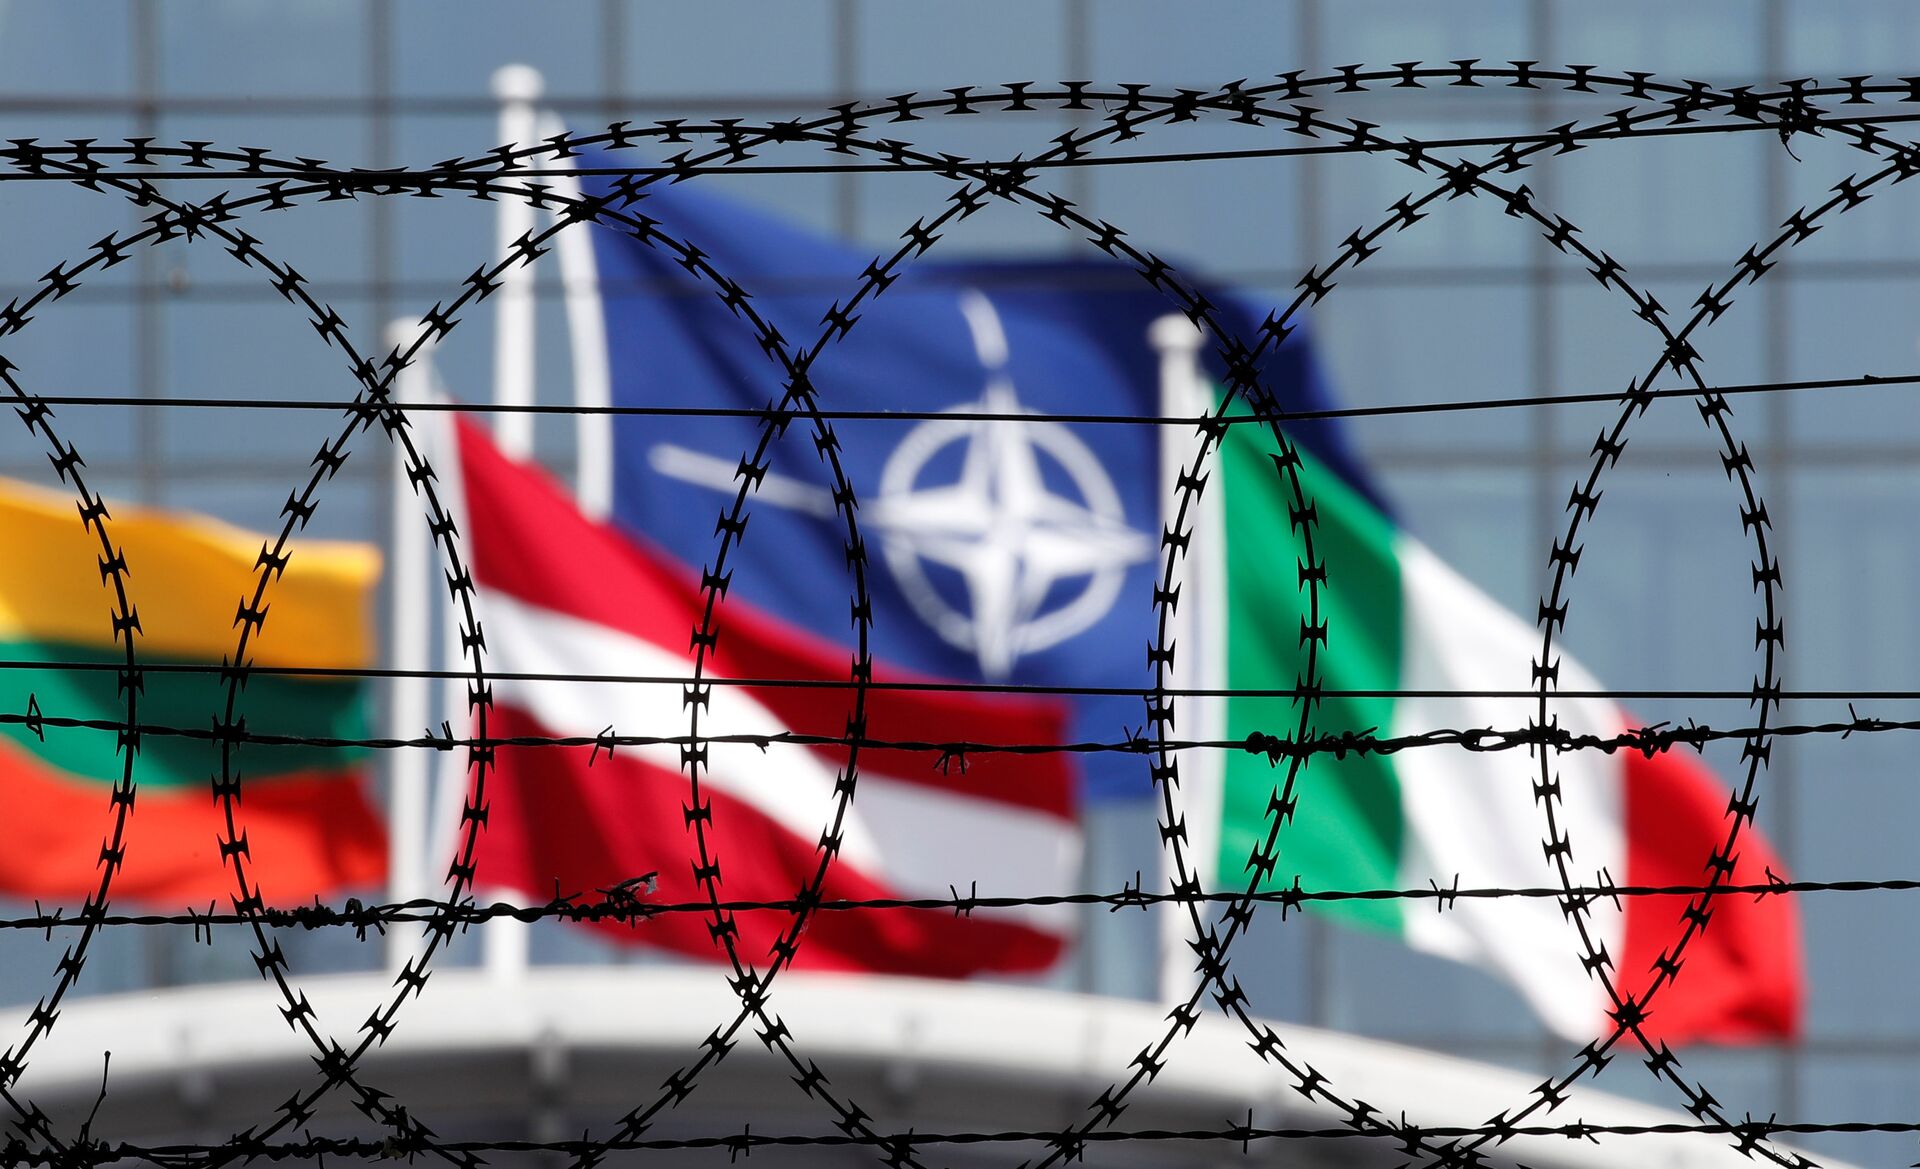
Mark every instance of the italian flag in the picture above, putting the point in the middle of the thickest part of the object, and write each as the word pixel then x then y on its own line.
pixel 1400 619
pixel 304 809
pixel 580 604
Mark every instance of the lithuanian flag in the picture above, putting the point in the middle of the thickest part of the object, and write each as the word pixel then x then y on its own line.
pixel 303 809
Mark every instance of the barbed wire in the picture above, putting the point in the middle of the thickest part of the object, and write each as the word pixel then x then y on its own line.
pixel 1748 1132
pixel 381 180
pixel 626 903
pixel 55 665
pixel 744 494
pixel 1251 418
pixel 952 753
pixel 878 685
pixel 730 146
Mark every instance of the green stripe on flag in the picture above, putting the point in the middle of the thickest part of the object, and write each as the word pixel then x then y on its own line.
pixel 1347 829
pixel 271 704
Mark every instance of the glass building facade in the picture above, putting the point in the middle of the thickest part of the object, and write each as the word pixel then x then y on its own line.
pixel 1471 304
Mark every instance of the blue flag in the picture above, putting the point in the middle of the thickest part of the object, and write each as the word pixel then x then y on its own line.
pixel 1018 553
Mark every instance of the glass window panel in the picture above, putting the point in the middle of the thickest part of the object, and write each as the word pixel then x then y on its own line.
pixel 1477 519
pixel 1276 963
pixel 888 203
pixel 1712 40
pixel 1357 192
pixel 258 350
pixel 746 48
pixel 1664 596
pixel 117 959
pixel 1853 564
pixel 1385 344
pixel 325 241
pixel 351 507
pixel 1846 328
pixel 1236 220
pixel 438 242
pixel 1661 200
pixel 1117 955
pixel 231 47
pixel 1851 795
pixel 451 48
pixel 1601 345
pixel 1851 619
pixel 80 344
pixel 1847 1086
pixel 1376 986
pixel 74 347
pixel 1743 1080
pixel 1875 236
pixel 974 45
pixel 1846 37
pixel 1141 41
pixel 83 49
pixel 1380 31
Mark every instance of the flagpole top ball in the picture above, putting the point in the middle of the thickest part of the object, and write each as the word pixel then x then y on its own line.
pixel 401 331
pixel 1175 332
pixel 518 83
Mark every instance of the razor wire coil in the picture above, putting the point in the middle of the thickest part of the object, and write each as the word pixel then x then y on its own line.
pixel 1113 114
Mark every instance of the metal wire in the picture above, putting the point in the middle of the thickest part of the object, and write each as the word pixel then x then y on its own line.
pixel 1117 114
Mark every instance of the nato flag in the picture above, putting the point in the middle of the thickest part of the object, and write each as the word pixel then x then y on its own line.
pixel 1014 552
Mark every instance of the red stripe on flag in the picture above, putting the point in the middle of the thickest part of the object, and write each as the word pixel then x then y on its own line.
pixel 531 542
pixel 311 833
pixel 556 820
pixel 1740 980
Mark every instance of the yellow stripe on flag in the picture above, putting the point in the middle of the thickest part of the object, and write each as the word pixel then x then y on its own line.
pixel 186 576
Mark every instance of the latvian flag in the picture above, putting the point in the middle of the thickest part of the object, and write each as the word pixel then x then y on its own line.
pixel 576 601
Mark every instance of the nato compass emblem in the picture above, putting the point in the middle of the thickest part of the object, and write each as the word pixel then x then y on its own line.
pixel 997 524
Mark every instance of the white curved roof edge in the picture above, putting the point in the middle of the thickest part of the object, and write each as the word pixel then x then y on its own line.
pixel 1007 1033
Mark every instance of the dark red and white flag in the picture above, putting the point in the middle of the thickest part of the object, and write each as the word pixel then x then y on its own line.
pixel 561 594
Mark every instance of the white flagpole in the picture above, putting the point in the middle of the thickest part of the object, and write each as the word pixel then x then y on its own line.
pixel 1196 625
pixel 410 639
pixel 451 774
pixel 587 338
pixel 517 87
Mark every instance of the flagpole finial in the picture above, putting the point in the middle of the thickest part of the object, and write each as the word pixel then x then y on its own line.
pixel 1175 333
pixel 402 332
pixel 518 83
